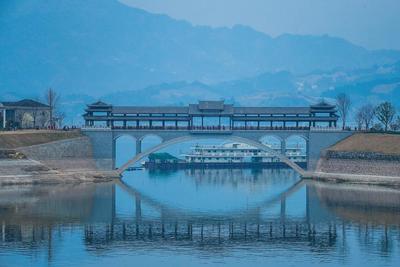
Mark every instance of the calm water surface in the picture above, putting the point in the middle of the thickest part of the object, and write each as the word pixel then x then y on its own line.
pixel 201 217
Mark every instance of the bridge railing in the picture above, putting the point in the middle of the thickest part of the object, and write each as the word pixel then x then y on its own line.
pixel 199 128
pixel 326 129
pixel 96 128
pixel 216 128
pixel 268 128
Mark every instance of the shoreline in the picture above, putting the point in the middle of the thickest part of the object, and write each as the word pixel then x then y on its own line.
pixel 58 177
pixel 353 178
pixel 30 172
pixel 33 172
pixel 66 157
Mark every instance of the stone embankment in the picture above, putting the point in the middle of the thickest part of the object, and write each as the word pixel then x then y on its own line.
pixel 367 163
pixel 47 157
pixel 362 158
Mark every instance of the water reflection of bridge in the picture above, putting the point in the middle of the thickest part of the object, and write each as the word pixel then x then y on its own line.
pixel 177 225
pixel 297 233
pixel 324 226
pixel 248 213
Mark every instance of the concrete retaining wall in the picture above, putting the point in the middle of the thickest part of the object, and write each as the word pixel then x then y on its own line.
pixel 103 144
pixel 319 142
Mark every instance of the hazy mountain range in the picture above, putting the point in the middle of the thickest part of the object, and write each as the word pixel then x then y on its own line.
pixel 372 85
pixel 281 88
pixel 102 49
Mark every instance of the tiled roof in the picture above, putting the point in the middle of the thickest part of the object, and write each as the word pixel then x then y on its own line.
pixel 138 109
pixel 25 103
pixel 211 105
pixel 218 108
pixel 323 104
pixel 271 110
pixel 99 103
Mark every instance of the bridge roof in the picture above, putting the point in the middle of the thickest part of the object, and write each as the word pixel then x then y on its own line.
pixel 271 110
pixel 211 105
pixel 323 104
pixel 153 110
pixel 194 109
pixel 99 104
pixel 212 108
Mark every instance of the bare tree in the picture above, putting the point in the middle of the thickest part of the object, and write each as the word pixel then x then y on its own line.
pixel 52 98
pixel 385 113
pixel 35 114
pixel 343 104
pixel 396 125
pixel 359 119
pixel 366 115
pixel 18 123
pixel 60 118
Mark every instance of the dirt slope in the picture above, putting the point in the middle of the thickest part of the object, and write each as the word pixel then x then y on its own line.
pixel 15 139
pixel 366 142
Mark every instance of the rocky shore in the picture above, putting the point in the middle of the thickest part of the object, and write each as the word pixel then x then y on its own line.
pixel 366 163
pixel 27 171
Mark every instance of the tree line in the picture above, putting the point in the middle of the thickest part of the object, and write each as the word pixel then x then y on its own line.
pixel 369 117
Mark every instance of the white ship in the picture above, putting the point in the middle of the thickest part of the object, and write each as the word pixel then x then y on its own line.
pixel 239 153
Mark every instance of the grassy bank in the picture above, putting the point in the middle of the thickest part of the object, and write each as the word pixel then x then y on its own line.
pixel 15 139
pixel 370 142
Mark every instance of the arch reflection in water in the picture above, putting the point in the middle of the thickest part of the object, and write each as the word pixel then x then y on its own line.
pixel 105 218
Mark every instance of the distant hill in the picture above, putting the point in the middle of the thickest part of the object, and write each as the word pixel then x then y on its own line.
pixel 264 89
pixel 369 85
pixel 372 84
pixel 100 47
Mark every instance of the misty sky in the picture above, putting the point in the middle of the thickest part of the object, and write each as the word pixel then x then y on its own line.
pixel 370 23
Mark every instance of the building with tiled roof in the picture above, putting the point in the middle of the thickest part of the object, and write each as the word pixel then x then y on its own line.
pixel 24 114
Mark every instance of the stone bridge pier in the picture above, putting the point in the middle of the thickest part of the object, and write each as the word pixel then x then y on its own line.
pixel 104 142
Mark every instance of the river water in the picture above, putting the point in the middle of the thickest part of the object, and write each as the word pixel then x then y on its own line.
pixel 201 217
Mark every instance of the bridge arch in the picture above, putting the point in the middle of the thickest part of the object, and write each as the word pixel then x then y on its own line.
pixel 271 135
pixel 296 145
pixel 273 141
pixel 181 139
pixel 125 147
pixel 304 137
pixel 117 136
pixel 151 135
pixel 148 141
